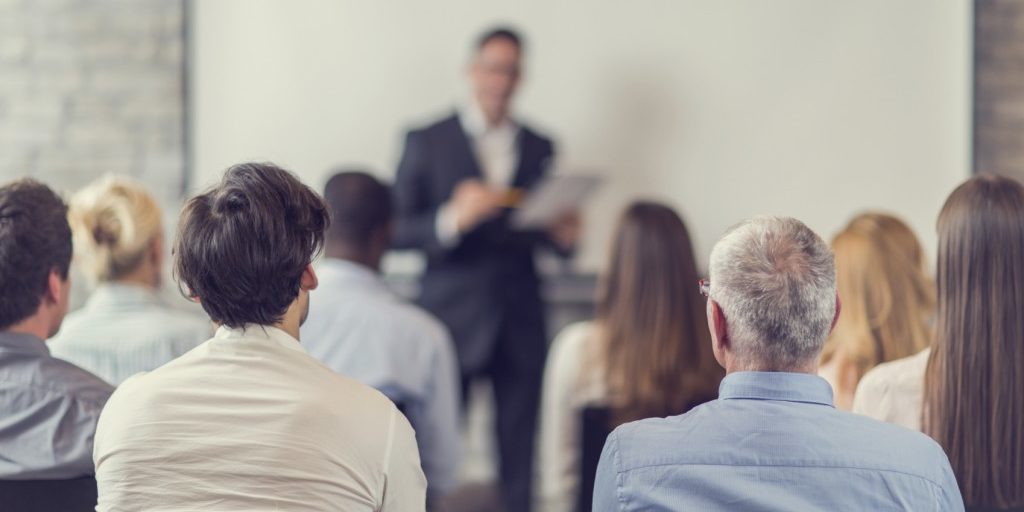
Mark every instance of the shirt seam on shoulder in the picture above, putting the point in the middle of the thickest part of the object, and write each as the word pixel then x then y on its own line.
pixel 65 393
pixel 896 471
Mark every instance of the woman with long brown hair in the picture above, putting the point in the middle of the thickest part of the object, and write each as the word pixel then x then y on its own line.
pixel 968 389
pixel 888 301
pixel 647 353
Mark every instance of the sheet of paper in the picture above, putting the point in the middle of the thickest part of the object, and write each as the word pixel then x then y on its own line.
pixel 552 197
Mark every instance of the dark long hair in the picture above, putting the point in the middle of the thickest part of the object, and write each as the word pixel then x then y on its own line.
pixel 656 347
pixel 974 385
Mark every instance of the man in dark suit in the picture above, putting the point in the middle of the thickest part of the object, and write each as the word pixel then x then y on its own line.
pixel 455 182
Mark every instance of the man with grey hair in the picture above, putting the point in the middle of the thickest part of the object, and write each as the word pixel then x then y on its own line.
pixel 772 440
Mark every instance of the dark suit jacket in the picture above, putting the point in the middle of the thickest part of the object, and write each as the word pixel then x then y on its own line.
pixel 487 281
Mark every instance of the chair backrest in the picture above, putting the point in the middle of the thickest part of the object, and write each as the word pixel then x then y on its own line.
pixel 990 509
pixel 73 495
pixel 595 425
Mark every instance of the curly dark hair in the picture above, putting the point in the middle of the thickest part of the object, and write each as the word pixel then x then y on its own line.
pixel 242 246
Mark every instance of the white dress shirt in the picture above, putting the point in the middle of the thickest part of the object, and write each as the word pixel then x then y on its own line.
pixel 572 382
pixel 249 421
pixel 893 392
pixel 125 329
pixel 362 330
pixel 497 154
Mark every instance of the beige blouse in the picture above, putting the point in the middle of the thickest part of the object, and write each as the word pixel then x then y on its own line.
pixel 893 391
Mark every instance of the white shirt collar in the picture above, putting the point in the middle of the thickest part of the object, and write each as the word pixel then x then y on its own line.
pixel 345 270
pixel 259 333
pixel 474 122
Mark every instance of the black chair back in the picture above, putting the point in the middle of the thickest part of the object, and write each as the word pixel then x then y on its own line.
pixel 596 425
pixel 990 509
pixel 73 495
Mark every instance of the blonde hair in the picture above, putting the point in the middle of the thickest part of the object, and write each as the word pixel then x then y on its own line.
pixel 887 298
pixel 113 221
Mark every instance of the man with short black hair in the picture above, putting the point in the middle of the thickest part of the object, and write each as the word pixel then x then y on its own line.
pixel 773 440
pixel 248 420
pixel 48 407
pixel 362 330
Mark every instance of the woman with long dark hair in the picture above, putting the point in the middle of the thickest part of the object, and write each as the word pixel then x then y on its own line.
pixel 647 353
pixel 967 391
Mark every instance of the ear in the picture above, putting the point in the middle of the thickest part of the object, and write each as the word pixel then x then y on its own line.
pixel 309 280
pixel 835 319
pixel 717 323
pixel 54 288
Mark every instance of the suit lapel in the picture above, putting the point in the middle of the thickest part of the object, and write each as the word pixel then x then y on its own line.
pixel 466 162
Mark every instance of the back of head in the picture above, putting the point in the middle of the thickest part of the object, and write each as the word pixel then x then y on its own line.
pixel 243 245
pixel 35 240
pixel 775 281
pixel 974 386
pixel 656 348
pixel 360 207
pixel 888 299
pixel 114 221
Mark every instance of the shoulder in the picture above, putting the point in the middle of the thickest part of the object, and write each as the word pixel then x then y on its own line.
pixel 77 383
pixel 883 382
pixel 920 455
pixel 532 136
pixel 573 339
pixel 443 125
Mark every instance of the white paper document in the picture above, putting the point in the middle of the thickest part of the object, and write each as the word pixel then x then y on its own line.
pixel 554 196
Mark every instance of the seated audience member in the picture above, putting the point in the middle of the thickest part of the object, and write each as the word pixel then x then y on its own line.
pixel 362 330
pixel 772 440
pixel 647 353
pixel 124 328
pixel 888 301
pixel 967 390
pixel 48 407
pixel 248 420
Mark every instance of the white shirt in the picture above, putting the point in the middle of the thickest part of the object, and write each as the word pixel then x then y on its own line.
pixel 571 383
pixel 894 391
pixel 362 330
pixel 497 154
pixel 125 329
pixel 249 421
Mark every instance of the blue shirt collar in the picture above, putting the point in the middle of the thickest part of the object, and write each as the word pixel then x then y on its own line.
pixel 787 387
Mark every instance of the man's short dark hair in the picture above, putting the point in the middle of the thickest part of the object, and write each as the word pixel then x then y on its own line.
pixel 507 33
pixel 35 239
pixel 242 246
pixel 359 206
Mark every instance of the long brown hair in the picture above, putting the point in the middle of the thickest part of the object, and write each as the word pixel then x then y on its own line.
pixel 887 295
pixel 657 353
pixel 974 385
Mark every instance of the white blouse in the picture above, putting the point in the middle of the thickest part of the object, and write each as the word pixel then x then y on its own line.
pixel 893 392
pixel 570 385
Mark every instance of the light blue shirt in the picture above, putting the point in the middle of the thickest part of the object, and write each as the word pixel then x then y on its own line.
pixel 48 412
pixel 772 442
pixel 360 329
pixel 125 329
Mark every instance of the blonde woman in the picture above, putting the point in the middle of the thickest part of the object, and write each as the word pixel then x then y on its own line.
pixel 888 301
pixel 124 328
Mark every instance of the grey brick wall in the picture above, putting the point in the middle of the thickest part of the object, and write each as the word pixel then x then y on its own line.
pixel 999 87
pixel 89 87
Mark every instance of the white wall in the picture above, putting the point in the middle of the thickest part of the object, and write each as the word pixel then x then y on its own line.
pixel 724 108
